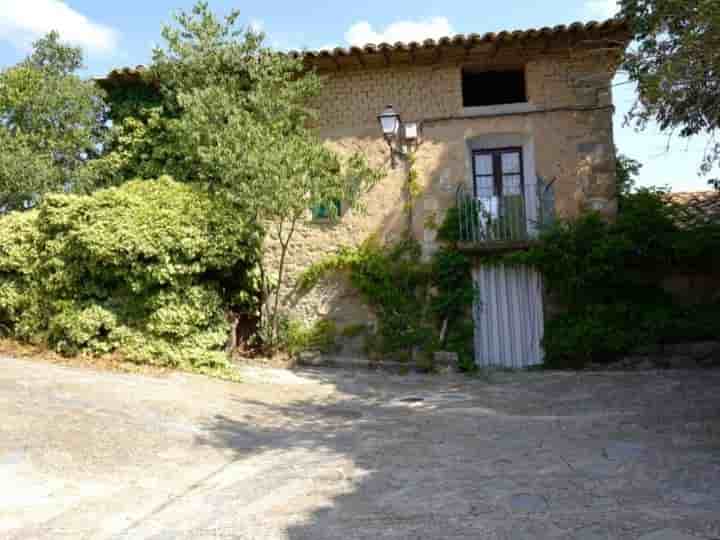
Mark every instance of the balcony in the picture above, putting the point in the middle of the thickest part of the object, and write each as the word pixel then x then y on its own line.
pixel 492 223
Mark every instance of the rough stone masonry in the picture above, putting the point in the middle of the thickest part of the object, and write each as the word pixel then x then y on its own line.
pixel 566 125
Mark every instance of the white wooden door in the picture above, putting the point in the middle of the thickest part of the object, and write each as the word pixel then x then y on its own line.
pixel 508 315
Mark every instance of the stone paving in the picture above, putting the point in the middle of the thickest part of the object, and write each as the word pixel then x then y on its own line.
pixel 339 454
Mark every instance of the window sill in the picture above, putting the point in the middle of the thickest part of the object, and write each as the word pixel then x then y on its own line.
pixel 494 110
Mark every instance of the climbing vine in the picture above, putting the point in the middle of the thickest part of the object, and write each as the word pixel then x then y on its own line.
pixel 607 277
pixel 421 306
pixel 412 188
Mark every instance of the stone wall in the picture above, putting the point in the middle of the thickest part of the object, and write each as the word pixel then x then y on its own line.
pixel 568 119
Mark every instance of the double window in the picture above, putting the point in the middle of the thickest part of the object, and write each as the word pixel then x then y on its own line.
pixel 498 173
pixel 499 192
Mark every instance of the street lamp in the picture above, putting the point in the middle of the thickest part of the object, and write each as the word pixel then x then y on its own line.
pixel 397 134
pixel 390 123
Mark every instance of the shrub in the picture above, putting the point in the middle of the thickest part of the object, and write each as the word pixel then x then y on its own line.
pixel 18 260
pixel 147 270
pixel 298 337
pixel 609 278
pixel 413 300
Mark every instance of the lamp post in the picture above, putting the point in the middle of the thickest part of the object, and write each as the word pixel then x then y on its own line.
pixel 397 134
pixel 390 124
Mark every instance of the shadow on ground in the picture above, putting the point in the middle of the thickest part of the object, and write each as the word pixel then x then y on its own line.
pixel 530 456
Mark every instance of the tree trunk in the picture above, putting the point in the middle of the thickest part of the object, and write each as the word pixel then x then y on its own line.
pixel 281 274
pixel 233 339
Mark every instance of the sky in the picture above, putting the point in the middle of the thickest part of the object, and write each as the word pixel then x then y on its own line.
pixel 118 34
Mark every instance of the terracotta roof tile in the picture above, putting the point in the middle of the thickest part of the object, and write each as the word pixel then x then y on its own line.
pixel 703 204
pixel 459 40
pixel 468 39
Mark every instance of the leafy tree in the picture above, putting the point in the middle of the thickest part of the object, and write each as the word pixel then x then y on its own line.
pixel 626 171
pixel 50 54
pixel 225 110
pixel 51 123
pixel 676 65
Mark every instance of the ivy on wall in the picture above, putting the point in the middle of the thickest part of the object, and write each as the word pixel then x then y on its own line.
pixel 421 306
pixel 606 276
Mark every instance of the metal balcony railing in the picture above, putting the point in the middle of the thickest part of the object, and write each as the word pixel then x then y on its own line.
pixel 508 219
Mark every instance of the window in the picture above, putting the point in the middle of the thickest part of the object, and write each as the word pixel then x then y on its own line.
pixel 485 88
pixel 498 173
pixel 325 211
pixel 499 190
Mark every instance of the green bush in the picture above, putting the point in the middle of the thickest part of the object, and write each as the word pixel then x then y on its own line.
pixel 395 284
pixel 412 299
pixel 298 337
pixel 609 276
pixel 147 270
pixel 18 260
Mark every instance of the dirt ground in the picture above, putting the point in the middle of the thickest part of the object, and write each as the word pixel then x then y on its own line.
pixel 340 454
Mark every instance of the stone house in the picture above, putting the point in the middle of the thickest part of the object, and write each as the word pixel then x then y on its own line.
pixel 512 126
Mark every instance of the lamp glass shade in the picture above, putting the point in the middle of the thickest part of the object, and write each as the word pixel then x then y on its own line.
pixel 389 121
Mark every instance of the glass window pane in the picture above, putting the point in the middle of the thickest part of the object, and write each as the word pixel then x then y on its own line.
pixel 512 184
pixel 483 164
pixel 485 186
pixel 511 163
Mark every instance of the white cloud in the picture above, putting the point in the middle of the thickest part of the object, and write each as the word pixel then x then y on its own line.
pixel 23 21
pixel 363 33
pixel 601 9
pixel 257 26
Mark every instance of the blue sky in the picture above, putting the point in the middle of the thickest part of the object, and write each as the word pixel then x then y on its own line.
pixel 123 33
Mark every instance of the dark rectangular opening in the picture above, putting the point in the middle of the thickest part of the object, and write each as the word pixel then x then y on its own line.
pixel 484 88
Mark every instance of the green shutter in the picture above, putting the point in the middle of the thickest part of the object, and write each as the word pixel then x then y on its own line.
pixel 323 211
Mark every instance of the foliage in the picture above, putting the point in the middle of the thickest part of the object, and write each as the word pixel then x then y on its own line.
pixel 51 124
pixel 353 330
pixel 676 65
pixel 225 110
pixel 609 276
pixel 627 170
pixel 146 270
pixel 50 55
pixel 449 230
pixel 297 337
pixel 451 277
pixel 412 187
pixel 394 283
pixel 603 332
pixel 142 142
pixel 18 260
pixel 420 306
